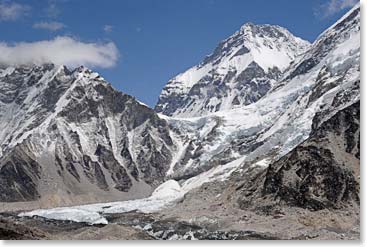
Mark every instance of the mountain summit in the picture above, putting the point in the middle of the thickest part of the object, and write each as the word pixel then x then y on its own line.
pixel 240 71
pixel 69 137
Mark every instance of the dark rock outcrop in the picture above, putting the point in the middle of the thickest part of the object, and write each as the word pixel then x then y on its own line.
pixel 322 172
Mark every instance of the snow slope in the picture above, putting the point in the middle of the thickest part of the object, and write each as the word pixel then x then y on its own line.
pixel 239 72
pixel 325 80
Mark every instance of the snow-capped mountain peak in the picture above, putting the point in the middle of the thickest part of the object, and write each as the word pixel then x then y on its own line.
pixel 240 71
pixel 73 127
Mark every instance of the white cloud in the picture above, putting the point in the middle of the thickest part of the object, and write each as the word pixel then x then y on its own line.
pixel 334 6
pixel 12 11
pixel 50 26
pixel 108 28
pixel 60 50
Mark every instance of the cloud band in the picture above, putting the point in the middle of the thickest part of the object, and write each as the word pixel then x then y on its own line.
pixel 60 50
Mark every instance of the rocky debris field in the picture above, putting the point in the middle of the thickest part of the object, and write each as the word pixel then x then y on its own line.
pixel 126 226
pixel 205 217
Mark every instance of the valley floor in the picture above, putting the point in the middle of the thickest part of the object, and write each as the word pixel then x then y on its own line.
pixel 204 213
pixel 204 224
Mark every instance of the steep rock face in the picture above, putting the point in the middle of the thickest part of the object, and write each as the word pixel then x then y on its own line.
pixel 322 172
pixel 240 71
pixel 68 134
pixel 19 176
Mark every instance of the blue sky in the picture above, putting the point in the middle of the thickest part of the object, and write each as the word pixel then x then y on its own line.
pixel 155 39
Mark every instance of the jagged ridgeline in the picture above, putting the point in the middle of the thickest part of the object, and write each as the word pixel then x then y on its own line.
pixel 241 70
pixel 265 108
pixel 68 136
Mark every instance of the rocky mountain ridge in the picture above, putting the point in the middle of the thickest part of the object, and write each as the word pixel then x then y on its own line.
pixel 241 70
pixel 269 128
pixel 68 134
